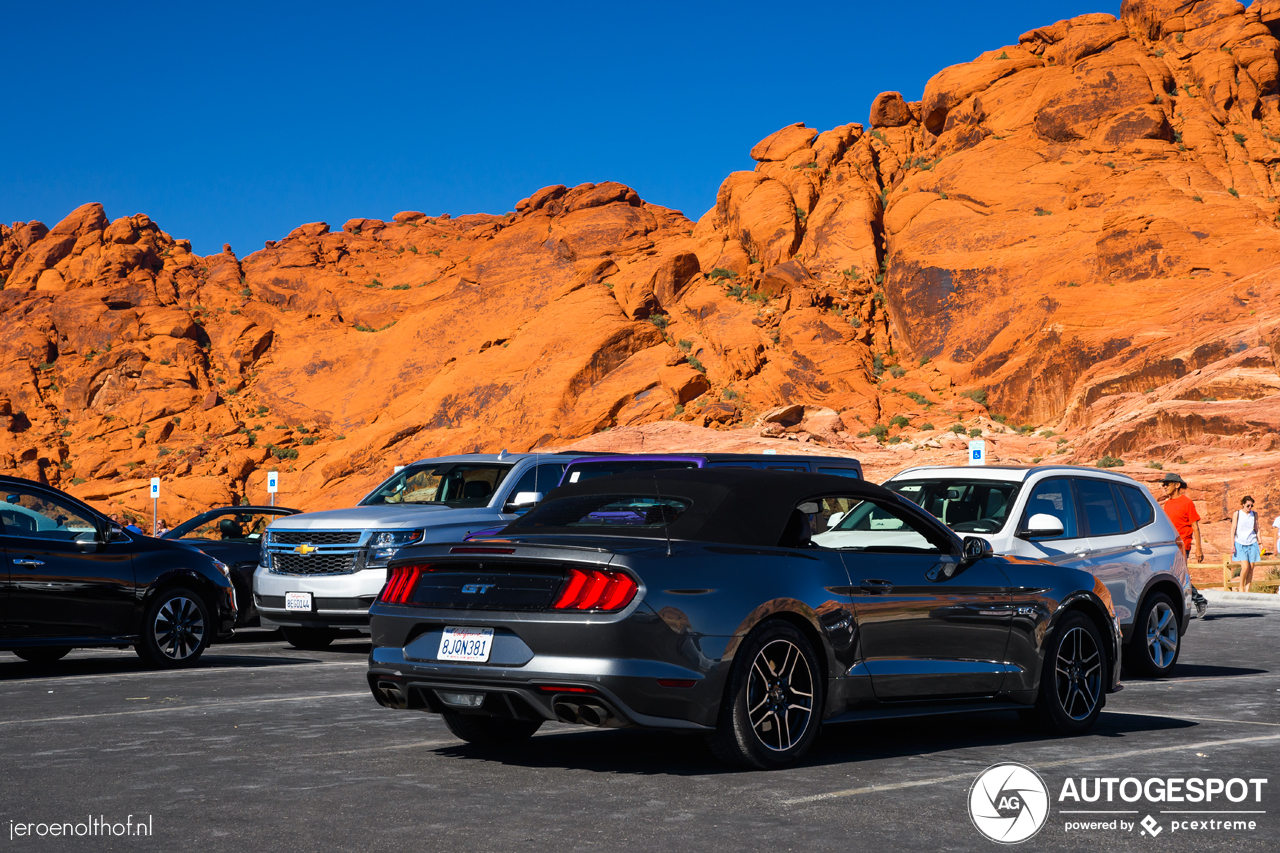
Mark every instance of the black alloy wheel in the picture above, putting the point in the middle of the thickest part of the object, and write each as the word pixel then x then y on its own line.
pixel 1156 642
pixel 175 630
pixel 1073 680
pixel 773 703
pixel 43 654
pixel 490 731
pixel 309 639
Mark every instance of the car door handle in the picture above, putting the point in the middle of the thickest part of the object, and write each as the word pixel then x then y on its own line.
pixel 1083 552
pixel 875 586
pixel 29 563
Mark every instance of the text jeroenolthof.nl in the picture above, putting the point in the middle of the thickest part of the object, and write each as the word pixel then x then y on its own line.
pixel 91 827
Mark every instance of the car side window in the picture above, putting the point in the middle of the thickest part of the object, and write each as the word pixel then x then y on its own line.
pixel 38 516
pixel 539 478
pixel 1053 497
pixel 1101 515
pixel 1139 505
pixel 872 526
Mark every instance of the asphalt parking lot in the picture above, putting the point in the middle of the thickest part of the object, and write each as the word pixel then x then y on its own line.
pixel 266 747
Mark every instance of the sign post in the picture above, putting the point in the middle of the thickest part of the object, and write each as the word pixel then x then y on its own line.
pixel 155 500
pixel 978 452
pixel 273 483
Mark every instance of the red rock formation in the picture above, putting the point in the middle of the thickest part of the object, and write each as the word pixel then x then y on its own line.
pixel 1077 231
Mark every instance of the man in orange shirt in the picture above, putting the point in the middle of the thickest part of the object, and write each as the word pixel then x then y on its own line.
pixel 1182 512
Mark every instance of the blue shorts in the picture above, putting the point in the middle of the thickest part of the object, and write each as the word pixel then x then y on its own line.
pixel 1246 553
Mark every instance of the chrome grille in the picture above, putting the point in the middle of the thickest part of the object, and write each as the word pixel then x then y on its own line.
pixel 314 564
pixel 314 537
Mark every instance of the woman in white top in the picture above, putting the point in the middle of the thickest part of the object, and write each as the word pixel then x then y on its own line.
pixel 1246 541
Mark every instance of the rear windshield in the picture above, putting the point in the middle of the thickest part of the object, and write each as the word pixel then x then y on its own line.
pixel 456 484
pixel 966 506
pixel 604 512
pixel 580 472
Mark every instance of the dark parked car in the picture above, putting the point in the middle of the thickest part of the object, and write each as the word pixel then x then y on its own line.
pixel 698 600
pixel 74 578
pixel 233 534
pixel 590 467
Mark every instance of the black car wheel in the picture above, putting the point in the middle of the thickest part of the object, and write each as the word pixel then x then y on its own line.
pixel 1073 679
pixel 176 629
pixel 1156 641
pixel 771 713
pixel 309 639
pixel 490 731
pixel 43 654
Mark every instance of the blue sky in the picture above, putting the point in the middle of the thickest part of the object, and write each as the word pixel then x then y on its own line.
pixel 235 122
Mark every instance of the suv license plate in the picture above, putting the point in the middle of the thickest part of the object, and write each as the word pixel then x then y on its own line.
pixel 297 601
pixel 467 644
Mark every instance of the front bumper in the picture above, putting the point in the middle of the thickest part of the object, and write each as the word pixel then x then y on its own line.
pixel 338 601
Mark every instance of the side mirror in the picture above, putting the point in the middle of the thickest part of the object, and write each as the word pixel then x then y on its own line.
pixel 975 549
pixel 115 533
pixel 522 499
pixel 836 518
pixel 1041 524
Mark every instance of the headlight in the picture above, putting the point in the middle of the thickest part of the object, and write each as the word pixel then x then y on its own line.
pixel 264 556
pixel 384 544
pixel 224 568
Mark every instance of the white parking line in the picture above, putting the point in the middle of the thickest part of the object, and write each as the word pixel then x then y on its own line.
pixel 208 670
pixel 968 777
pixel 1197 719
pixel 186 708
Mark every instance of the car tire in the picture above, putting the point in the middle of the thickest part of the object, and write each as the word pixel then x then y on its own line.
pixel 1073 679
pixel 176 629
pixel 309 639
pixel 1156 642
pixel 43 654
pixel 490 731
pixel 772 706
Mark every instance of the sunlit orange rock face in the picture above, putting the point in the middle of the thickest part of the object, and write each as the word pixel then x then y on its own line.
pixel 1076 233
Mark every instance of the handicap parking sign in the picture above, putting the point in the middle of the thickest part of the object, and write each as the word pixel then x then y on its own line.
pixel 978 452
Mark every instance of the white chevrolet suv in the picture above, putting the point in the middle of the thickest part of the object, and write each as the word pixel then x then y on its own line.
pixel 1085 518
pixel 319 571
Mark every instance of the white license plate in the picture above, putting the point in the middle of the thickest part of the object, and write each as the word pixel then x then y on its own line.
pixel 469 644
pixel 297 601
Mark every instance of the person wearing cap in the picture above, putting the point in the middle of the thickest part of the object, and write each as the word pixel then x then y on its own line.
pixel 1245 527
pixel 1182 512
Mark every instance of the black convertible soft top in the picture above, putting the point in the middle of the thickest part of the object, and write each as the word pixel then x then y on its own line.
pixel 730 505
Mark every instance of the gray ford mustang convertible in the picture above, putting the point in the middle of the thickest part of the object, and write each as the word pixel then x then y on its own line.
pixel 726 602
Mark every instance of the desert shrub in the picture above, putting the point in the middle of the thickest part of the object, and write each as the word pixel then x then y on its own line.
pixel 1110 462
pixel 977 395
pixel 899 421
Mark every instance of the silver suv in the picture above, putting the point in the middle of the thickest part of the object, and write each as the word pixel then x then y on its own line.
pixel 1085 518
pixel 319 571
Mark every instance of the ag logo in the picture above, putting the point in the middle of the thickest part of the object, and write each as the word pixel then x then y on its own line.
pixel 1008 803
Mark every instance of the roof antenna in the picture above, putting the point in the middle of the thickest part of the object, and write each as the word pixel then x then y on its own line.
pixel 662 510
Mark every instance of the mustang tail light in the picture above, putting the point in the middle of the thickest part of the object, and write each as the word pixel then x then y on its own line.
pixel 400 585
pixel 589 589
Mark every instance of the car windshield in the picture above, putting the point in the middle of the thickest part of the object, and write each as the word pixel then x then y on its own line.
pixel 455 484
pixel 580 472
pixel 606 511
pixel 965 505
pixel 231 526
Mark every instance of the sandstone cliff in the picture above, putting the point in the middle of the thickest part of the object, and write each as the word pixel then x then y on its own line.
pixel 1076 233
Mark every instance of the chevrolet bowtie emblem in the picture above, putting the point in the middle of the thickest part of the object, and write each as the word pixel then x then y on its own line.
pixel 305 549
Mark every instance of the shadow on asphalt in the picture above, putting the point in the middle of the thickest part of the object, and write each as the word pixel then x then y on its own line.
pixel 662 754
pixel 1213 617
pixel 1201 671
